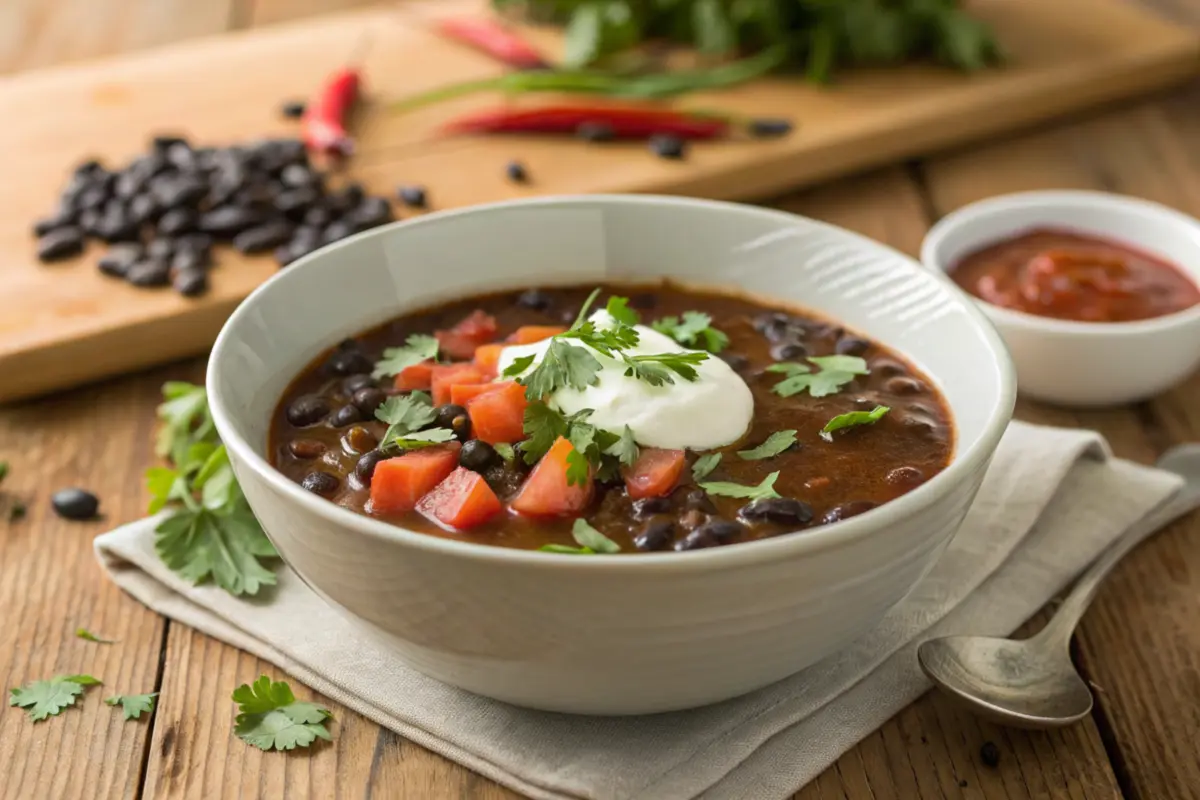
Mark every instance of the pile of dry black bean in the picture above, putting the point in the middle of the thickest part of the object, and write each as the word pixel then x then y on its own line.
pixel 162 212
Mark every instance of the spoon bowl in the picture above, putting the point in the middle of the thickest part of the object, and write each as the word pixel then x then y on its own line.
pixel 1031 683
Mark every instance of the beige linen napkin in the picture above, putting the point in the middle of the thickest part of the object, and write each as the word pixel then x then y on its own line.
pixel 1051 501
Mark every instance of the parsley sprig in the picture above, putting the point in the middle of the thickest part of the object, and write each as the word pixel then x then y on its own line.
pixel 271 718
pixel 835 373
pixel 211 532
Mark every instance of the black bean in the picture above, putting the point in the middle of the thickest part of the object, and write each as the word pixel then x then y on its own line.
pixel 294 203
pixel 461 425
pixel 284 254
pixel 989 754
pixel 852 346
pixel 306 449
pixel 596 132
pixel 365 468
pixel 116 224
pixel 371 213
pixel 413 196
pixel 293 109
pixel 445 414
pixel 89 167
pixel 75 503
pixel 263 237
pixel 184 260
pixel 89 221
pixel 290 151
pixel 736 361
pixel 59 219
pixel 356 382
pixel 346 415
pixel 368 399
pixel 307 410
pixel 780 510
pixel 182 156
pixel 118 259
pixel 60 243
pixel 516 172
pixel 91 197
pixel 321 483
pixel 161 142
pixel 298 175
pixel 478 456
pixel 317 217
pixel 774 325
pixel 338 230
pixel 197 242
pixel 148 272
pixel 177 221
pixel 904 386
pixel 646 507
pixel 347 362
pixel 770 128
pixel 178 191
pixel 161 247
pixel 143 208
pixel 669 146
pixel 698 500
pixel 847 510
pixel 886 368
pixel 226 221
pixel 359 440
pixel 905 476
pixel 788 351
pixel 657 534
pixel 129 183
pixel 696 540
pixel 191 282
pixel 722 530
pixel 534 299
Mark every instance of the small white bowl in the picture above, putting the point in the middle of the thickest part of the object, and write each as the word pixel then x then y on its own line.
pixel 1083 363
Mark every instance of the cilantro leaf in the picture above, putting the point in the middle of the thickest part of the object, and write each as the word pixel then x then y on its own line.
pixel 44 699
pixel 618 308
pixel 133 705
pixel 563 365
pixel 224 544
pixel 88 636
pixel 625 449
pixel 505 451
pixel 775 444
pixel 418 439
pixel 543 425
pixel 852 419
pixel 836 372
pixel 606 340
pixel 704 465
pixel 585 308
pixel 693 330
pixel 590 540
pixel 518 366
pixel 759 492
pixel 654 368
pixel 405 414
pixel 272 718
pixel 3 470
pixel 185 420
pixel 582 437
pixel 567 550
pixel 417 348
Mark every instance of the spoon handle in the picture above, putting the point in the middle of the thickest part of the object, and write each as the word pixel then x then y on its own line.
pixel 1062 624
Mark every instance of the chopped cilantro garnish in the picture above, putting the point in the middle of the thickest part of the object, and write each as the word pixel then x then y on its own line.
pixel 563 365
pixel 704 465
pixel 624 449
pixel 271 718
pixel 693 330
pixel 656 369
pixel 3 470
pixel 518 366
pixel 403 415
pixel 836 372
pixel 591 542
pixel 543 426
pixel 505 451
pixel 775 444
pixel 44 699
pixel 88 636
pixel 133 705
pixel 852 419
pixel 418 439
pixel 417 348
pixel 618 308
pixel 759 492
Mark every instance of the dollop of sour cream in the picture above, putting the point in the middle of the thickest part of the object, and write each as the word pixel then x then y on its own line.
pixel 712 411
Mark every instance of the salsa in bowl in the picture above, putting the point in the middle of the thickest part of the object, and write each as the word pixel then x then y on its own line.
pixel 644 629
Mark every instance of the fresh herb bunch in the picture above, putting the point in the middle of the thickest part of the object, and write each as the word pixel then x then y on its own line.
pixel 818 36
pixel 212 533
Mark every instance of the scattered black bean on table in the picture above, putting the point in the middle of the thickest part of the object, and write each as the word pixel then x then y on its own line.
pixel 75 503
pixel 665 145
pixel 989 754
pixel 516 172
pixel 162 212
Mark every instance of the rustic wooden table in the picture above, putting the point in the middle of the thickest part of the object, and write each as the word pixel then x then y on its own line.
pixel 1139 645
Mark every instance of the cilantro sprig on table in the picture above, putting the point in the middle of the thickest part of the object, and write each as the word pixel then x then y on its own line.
pixel 133 705
pixel 88 636
pixel 835 373
pixel 50 698
pixel 271 718
pixel 211 533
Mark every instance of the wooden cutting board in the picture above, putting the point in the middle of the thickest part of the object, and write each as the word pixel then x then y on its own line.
pixel 64 324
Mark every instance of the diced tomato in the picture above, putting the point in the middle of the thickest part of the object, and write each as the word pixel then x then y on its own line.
pixel 655 473
pixel 473 330
pixel 444 376
pixel 546 492
pixel 528 334
pixel 462 501
pixel 415 377
pixel 487 357
pixel 498 415
pixel 462 393
pixel 398 483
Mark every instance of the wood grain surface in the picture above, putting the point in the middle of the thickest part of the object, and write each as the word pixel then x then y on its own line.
pixel 1140 644
pixel 1064 55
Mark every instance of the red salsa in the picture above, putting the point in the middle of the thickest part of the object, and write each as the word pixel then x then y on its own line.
pixel 1072 276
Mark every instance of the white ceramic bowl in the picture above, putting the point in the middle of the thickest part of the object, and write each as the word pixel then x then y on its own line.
pixel 609 634
pixel 1084 363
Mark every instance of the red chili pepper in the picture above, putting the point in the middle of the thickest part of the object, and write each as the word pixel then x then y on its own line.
pixel 613 121
pixel 494 39
pixel 324 124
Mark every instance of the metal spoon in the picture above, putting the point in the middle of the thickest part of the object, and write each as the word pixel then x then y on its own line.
pixel 1032 683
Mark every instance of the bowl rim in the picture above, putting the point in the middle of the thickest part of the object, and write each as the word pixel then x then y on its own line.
pixel 1084 199
pixel 875 521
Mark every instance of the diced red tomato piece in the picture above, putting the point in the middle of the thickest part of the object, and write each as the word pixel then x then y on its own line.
pixel 462 393
pixel 546 492
pixel 498 415
pixel 528 334
pixel 444 376
pixel 398 483
pixel 473 330
pixel 415 377
pixel 487 357
pixel 655 473
pixel 463 500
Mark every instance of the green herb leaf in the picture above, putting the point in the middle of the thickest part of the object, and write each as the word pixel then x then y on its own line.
pixel 583 33
pixel 505 451
pixel 133 705
pixel 226 545
pixel 852 419
pixel 543 425
pixel 417 348
pixel 567 550
pixel 582 437
pixel 88 636
pixel 185 420
pixel 836 372
pixel 589 537
pixel 405 414
pixel 564 365
pixel 3 470
pixel 704 465
pixel 419 439
pixel 271 718
pixel 693 330
pixel 655 369
pixel 618 308
pixel 775 444
pixel 759 492
pixel 715 35
pixel 518 366
pixel 624 449
pixel 44 699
